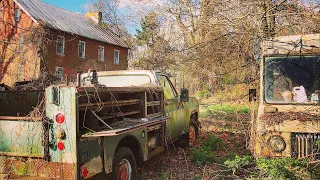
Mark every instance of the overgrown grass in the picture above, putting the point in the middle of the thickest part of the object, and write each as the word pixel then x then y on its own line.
pixel 204 154
pixel 217 109
pixel 225 108
pixel 275 168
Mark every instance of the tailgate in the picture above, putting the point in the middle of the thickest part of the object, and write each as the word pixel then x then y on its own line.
pixel 21 123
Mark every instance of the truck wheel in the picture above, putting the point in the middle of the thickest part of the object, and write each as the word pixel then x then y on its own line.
pixel 193 132
pixel 124 165
pixel 190 139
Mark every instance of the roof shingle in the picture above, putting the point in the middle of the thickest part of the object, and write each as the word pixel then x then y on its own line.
pixel 70 22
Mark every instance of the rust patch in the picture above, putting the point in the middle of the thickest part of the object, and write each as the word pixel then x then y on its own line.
pixel 38 169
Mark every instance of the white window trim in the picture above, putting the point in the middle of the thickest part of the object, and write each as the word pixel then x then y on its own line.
pixel 114 58
pixel 102 59
pixel 63 45
pixel 84 49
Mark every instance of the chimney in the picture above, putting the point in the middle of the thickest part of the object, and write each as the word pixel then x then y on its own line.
pixel 95 16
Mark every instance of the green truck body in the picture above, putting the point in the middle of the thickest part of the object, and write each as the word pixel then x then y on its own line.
pixel 93 129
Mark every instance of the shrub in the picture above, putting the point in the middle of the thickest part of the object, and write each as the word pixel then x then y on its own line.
pixel 285 168
pixel 238 162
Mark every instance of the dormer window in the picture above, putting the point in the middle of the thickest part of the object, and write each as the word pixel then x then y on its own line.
pixel 17 14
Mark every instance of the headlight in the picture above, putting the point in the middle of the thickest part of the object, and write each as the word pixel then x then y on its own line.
pixel 277 143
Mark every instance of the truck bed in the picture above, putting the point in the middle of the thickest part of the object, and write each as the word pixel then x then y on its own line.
pixel 117 108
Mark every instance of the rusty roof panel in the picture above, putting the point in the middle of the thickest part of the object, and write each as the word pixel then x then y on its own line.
pixel 70 22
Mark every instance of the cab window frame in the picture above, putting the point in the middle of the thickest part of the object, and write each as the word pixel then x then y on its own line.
pixel 170 84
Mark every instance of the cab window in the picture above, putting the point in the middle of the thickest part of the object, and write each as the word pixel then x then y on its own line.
pixel 169 92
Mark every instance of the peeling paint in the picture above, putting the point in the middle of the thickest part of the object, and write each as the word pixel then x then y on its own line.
pixel 108 166
pixel 94 166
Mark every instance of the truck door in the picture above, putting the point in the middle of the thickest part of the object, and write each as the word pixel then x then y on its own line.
pixel 173 109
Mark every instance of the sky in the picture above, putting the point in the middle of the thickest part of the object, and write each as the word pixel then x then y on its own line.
pixel 71 5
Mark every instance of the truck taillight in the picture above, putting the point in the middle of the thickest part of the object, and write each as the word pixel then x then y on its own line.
pixel 84 172
pixel 60 146
pixel 60 118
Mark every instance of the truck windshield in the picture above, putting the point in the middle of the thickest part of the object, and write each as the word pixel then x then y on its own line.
pixel 124 80
pixel 292 79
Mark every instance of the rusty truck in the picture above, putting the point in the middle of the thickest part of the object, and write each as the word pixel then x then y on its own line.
pixel 288 116
pixel 101 127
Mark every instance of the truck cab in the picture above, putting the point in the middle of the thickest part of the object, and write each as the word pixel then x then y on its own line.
pixel 287 123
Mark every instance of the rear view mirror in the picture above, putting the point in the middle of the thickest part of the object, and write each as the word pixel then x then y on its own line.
pixel 252 95
pixel 184 95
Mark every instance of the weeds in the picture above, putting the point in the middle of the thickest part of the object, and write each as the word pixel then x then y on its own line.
pixel 201 156
pixel 285 168
pixel 238 162
pixel 276 168
pixel 212 110
pixel 216 109
pixel 205 154
pixel 213 143
pixel 163 176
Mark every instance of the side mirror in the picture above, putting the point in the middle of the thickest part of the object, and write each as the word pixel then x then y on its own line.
pixel 184 95
pixel 252 95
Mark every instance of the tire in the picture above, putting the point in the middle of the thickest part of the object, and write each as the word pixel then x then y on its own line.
pixel 193 127
pixel 124 166
pixel 193 131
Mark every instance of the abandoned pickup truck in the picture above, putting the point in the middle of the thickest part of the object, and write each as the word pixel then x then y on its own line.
pixel 288 115
pixel 102 127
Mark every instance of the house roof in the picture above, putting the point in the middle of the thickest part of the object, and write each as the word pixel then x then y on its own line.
pixel 67 21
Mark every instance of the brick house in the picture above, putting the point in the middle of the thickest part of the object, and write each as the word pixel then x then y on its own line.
pixel 37 38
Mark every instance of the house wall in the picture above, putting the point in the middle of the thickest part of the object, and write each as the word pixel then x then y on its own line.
pixel 20 42
pixel 71 62
pixel 18 46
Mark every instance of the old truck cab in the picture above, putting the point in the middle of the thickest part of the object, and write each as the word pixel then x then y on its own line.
pixel 287 122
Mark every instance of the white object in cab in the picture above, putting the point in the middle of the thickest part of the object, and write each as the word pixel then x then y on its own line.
pixel 299 94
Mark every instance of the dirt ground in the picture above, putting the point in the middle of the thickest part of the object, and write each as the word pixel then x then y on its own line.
pixel 176 162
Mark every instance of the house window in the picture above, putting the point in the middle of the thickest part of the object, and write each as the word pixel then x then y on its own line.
pixel 101 53
pixel 82 49
pixel 116 56
pixel 60 45
pixel 17 14
pixel 59 72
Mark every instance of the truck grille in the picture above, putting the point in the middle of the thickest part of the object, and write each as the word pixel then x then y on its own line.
pixel 305 145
